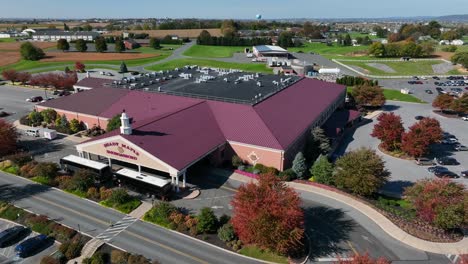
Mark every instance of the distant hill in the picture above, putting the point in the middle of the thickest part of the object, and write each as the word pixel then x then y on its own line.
pixel 456 18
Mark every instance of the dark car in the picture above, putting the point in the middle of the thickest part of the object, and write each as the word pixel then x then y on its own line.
pixel 35 99
pixel 445 174
pixel 435 78
pixel 464 174
pixel 429 91
pixel 28 246
pixel 419 117
pixel 10 234
pixel 433 169
pixel 461 148
pixel 64 93
pixel 447 161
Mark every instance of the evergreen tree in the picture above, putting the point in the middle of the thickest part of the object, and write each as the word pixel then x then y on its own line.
pixel 101 44
pixel 323 142
pixel 322 170
pixel 119 45
pixel 80 45
pixel 123 67
pixel 63 45
pixel 299 165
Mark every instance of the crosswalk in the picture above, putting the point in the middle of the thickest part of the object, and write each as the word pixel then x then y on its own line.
pixel 453 258
pixel 116 228
pixel 334 257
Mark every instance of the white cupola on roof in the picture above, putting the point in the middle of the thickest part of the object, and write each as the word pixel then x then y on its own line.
pixel 125 127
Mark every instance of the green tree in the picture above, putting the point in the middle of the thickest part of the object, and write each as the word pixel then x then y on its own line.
pixel 75 126
pixel 123 67
pixel 207 221
pixel 361 171
pixel 49 115
pixel 322 171
pixel 323 141
pixel 119 45
pixel 114 123
pixel 460 105
pixel 347 41
pixel 80 45
pixel 285 40
pixel 377 49
pixel 35 118
pixel 100 43
pixel 65 27
pixel 30 52
pixel 63 45
pixel 155 43
pixel 82 180
pixel 299 165
pixel 460 58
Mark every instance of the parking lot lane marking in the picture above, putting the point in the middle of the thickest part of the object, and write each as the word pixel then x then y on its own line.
pixel 71 210
pixel 352 247
pixel 167 247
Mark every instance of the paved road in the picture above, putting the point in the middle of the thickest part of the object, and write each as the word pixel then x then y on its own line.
pixel 177 54
pixel 142 238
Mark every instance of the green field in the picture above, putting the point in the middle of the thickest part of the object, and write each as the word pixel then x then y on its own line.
pixel 7 39
pixel 355 34
pixel 395 95
pixel 179 63
pixel 203 51
pixel 166 48
pixel 400 67
pixel 334 51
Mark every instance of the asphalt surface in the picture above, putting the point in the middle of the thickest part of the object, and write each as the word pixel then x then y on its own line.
pixel 92 219
pixel 7 253
pixel 13 100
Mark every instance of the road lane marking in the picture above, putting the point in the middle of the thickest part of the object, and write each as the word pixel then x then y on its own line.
pixel 167 247
pixel 352 247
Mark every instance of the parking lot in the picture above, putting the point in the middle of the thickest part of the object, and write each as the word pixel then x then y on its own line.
pixel 7 254
pixel 13 100
pixel 405 172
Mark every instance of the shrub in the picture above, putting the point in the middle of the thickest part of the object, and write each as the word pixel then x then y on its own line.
pixel 105 193
pixel 40 224
pixel 62 233
pixel 74 249
pixel 119 257
pixel 12 213
pixel 299 165
pixel 287 175
pixel 119 196
pixel 322 171
pixel 226 233
pixel 93 193
pixel 97 258
pixel 64 182
pixel 224 219
pixel 45 169
pixel 26 170
pixel 236 161
pixel 20 158
pixel 12 170
pixel 207 221
pixel 160 213
pixel 138 259
pixel 82 179
pixel 265 169
pixel 24 120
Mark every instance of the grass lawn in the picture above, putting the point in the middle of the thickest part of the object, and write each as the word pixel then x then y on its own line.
pixel 329 51
pixel 202 51
pixel 7 39
pixel 165 49
pixel 400 67
pixel 396 95
pixel 254 252
pixel 355 34
pixel 179 63
pixel 124 208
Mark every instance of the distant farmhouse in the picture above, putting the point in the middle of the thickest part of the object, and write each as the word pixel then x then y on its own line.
pixel 54 35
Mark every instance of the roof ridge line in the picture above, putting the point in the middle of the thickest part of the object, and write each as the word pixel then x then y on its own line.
pixel 157 118
pixel 269 129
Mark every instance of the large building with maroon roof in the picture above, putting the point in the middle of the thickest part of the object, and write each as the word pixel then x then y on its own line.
pixel 171 130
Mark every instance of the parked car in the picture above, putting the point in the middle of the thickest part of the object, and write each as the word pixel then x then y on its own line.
pixel 425 162
pixel 461 148
pixel 419 117
pixel 28 246
pixel 449 141
pixel 35 99
pixel 433 169
pixel 464 174
pixel 435 78
pixel 7 235
pixel 445 174
pixel 464 118
pixel 429 91
pixel 447 161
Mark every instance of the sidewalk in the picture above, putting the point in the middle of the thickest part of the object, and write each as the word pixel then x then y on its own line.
pixel 391 229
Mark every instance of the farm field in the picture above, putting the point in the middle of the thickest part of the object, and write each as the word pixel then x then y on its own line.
pixel 395 95
pixel 178 63
pixel 9 58
pixel 334 51
pixel 15 46
pixel 7 40
pixel 399 68
pixel 182 33
pixel 355 34
pixel 93 56
pixel 204 51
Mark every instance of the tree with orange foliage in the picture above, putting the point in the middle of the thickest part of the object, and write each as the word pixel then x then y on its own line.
pixel 420 136
pixel 443 101
pixel 8 138
pixel 389 130
pixel 268 214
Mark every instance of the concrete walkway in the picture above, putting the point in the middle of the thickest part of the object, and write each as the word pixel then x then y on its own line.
pixel 390 228
pixel 141 210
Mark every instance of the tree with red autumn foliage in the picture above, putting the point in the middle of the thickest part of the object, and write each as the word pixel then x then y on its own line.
pixel 389 130
pixel 364 259
pixel 460 105
pixel 443 101
pixel 23 77
pixel 8 138
pixel 366 95
pixel 268 214
pixel 441 202
pixel 80 67
pixel 10 75
pixel 56 80
pixel 420 136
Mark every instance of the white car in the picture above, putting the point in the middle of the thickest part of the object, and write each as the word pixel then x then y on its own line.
pixel 423 78
pixel 465 118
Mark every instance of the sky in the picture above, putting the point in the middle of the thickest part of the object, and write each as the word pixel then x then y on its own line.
pixel 239 9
